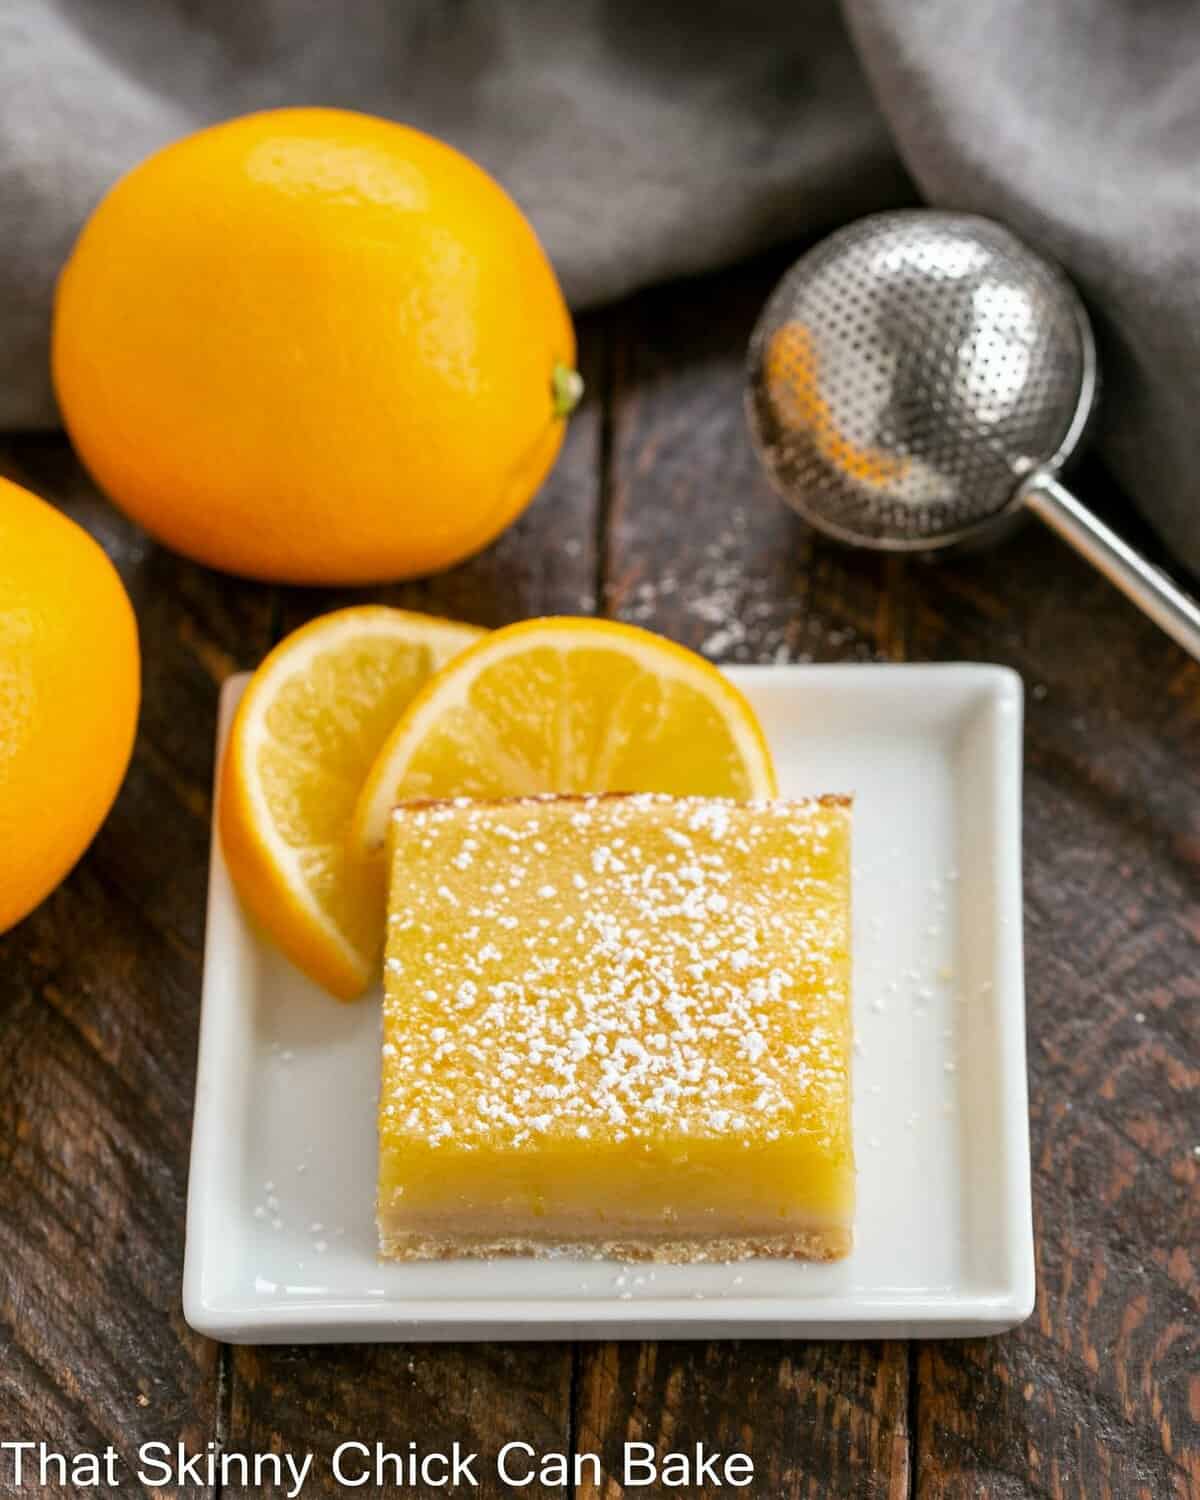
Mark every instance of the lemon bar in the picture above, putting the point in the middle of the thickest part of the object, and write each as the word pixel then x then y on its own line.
pixel 617 1025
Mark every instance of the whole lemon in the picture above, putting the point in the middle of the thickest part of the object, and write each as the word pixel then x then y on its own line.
pixel 69 687
pixel 314 346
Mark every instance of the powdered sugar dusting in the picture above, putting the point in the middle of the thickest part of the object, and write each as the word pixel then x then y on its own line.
pixel 616 968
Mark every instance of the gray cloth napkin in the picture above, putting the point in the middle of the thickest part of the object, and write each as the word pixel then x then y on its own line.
pixel 646 141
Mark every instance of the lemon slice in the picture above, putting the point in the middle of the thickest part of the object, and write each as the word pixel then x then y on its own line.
pixel 305 735
pixel 568 705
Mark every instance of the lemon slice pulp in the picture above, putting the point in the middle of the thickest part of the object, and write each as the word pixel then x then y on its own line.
pixel 568 705
pixel 306 733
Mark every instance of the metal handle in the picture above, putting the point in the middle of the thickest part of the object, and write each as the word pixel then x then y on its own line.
pixel 1149 588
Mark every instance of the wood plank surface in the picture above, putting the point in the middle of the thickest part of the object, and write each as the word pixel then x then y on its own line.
pixel 99 1002
pixel 1099 1394
pixel 656 514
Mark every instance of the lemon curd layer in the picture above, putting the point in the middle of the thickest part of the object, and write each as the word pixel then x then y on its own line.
pixel 619 1025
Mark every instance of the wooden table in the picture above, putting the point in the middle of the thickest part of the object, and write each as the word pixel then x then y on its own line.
pixel 655 514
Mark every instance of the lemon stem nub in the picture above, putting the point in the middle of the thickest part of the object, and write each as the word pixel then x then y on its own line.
pixel 566 388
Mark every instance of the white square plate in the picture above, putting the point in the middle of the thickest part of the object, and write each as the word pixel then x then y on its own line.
pixel 281 1202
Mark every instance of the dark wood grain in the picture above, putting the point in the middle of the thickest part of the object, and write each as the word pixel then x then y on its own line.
pixel 1099 1395
pixel 700 549
pixel 99 994
pixel 657 514
pixel 480 1395
pixel 815 1419
pixel 477 1395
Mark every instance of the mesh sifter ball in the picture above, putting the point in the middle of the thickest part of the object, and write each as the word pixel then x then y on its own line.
pixel 910 370
pixel 918 377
